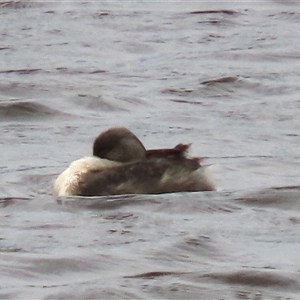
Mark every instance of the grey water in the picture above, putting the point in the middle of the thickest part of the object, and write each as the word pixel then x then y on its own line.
pixel 223 76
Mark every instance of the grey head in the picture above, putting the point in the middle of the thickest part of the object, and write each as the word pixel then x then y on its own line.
pixel 119 144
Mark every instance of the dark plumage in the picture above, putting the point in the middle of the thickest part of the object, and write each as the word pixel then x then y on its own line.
pixel 121 165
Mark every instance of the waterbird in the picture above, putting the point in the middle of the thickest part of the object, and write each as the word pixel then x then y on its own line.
pixel 121 165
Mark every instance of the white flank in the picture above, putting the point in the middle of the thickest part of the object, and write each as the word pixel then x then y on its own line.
pixel 68 182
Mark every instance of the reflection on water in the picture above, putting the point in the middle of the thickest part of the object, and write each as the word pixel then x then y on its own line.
pixel 221 76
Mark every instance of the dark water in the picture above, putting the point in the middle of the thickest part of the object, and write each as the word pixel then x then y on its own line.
pixel 223 75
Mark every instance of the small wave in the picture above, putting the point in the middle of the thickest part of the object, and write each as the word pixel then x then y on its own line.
pixel 26 110
pixel 225 79
pixel 215 87
pixel 177 91
pixel 200 245
pixel 262 278
pixel 5 201
pixel 107 202
pixel 95 104
pixel 225 86
pixel 280 197
pixel 215 16
pixel 237 87
pixel 290 16
pixel 175 203
pixel 38 184
pixel 20 71
pixel 270 278
pixel 76 71
pixel 154 274
pixel 18 4
pixel 217 11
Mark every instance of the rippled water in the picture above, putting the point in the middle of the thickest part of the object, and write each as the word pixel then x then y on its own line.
pixel 223 75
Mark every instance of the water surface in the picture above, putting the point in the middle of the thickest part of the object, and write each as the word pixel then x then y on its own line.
pixel 221 75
